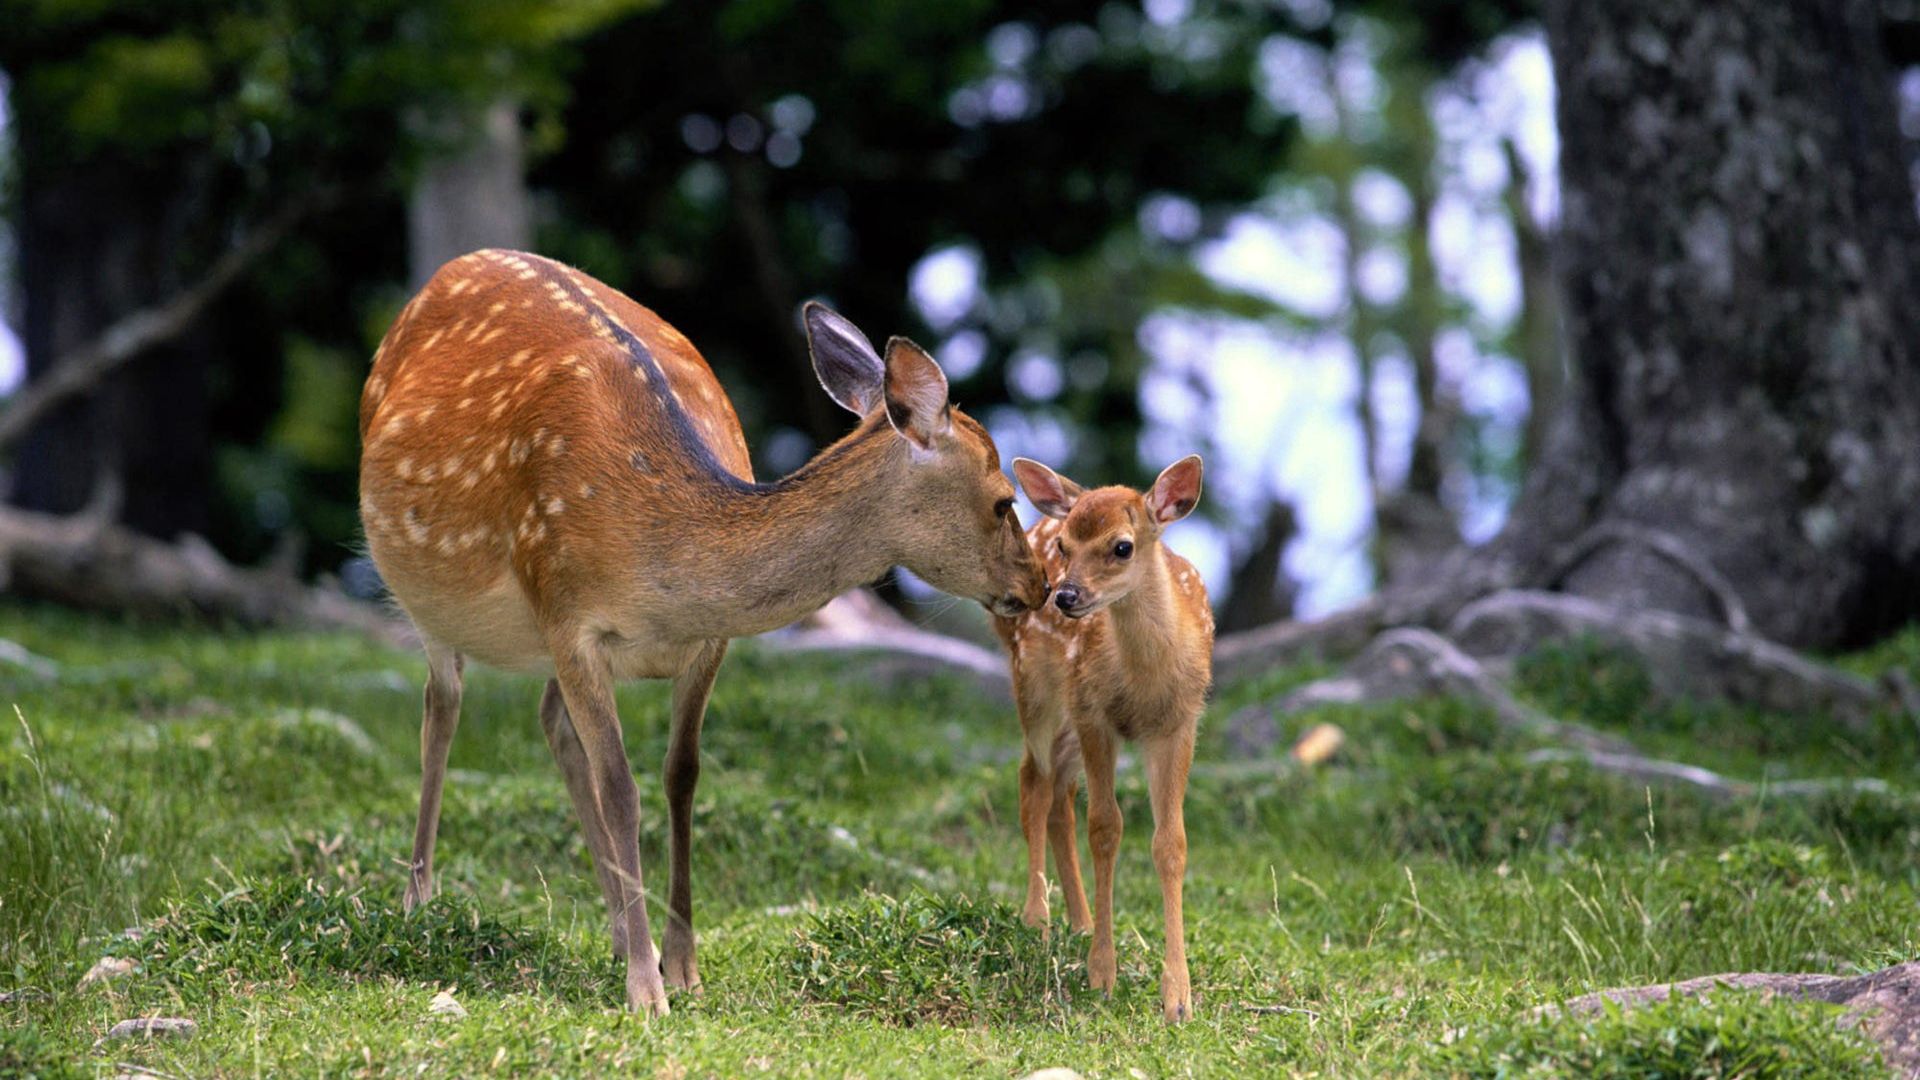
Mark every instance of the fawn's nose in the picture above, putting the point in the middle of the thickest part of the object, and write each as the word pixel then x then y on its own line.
pixel 1067 597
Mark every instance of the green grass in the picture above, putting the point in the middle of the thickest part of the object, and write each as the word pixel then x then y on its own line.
pixel 233 812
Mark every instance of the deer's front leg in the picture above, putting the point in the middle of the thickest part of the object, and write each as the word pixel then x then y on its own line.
pixel 1036 796
pixel 587 686
pixel 1168 760
pixel 440 717
pixel 691 690
pixel 1066 855
pixel 1103 837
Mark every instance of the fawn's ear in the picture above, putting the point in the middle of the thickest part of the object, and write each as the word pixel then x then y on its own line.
pixel 916 391
pixel 1177 491
pixel 844 360
pixel 1050 493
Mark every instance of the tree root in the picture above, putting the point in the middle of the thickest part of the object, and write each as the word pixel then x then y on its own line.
pixel 1667 546
pixel 1655 770
pixel 1340 634
pixel 1885 1004
pixel 1685 657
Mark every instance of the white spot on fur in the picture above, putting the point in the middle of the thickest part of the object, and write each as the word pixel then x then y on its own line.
pixel 556 505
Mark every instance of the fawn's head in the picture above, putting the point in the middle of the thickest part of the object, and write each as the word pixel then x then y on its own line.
pixel 1109 533
pixel 949 507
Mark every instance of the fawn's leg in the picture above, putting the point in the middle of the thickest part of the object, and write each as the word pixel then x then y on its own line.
pixel 1103 837
pixel 587 685
pixel 690 691
pixel 439 718
pixel 1066 853
pixel 1168 760
pixel 565 744
pixel 1036 794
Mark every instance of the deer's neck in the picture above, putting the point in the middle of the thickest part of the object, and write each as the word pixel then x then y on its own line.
pixel 1143 623
pixel 792 545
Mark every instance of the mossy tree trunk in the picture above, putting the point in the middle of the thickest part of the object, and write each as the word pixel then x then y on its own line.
pixel 1740 253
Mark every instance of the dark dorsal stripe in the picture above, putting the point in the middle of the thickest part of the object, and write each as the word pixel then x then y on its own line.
pixel 683 426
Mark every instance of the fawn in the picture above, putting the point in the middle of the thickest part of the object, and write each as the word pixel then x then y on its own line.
pixel 1125 650
pixel 552 480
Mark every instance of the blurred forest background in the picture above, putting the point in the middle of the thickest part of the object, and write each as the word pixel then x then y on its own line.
pixel 1325 242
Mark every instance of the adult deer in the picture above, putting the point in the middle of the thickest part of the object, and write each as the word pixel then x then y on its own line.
pixel 553 481
pixel 1124 652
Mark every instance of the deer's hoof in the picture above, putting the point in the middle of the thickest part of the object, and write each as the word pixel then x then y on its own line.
pixel 679 969
pixel 1102 972
pixel 646 996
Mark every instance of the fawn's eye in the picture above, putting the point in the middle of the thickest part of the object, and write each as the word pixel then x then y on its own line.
pixel 1003 507
pixel 1123 549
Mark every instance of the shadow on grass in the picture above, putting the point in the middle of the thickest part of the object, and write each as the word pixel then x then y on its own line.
pixel 1728 1034
pixel 281 928
pixel 936 959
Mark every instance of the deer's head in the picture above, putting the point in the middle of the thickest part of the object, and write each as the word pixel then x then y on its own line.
pixel 1109 535
pixel 949 507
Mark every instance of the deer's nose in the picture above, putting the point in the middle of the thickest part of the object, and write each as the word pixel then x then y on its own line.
pixel 1067 597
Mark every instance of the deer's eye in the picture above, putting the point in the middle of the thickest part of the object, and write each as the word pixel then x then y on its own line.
pixel 1003 508
pixel 1123 549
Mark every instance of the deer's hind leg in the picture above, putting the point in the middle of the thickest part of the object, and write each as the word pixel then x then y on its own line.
pixel 1040 720
pixel 1168 760
pixel 586 683
pixel 1060 829
pixel 565 744
pixel 440 717
pixel 691 688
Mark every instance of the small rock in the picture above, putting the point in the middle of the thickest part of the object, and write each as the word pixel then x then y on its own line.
pixel 154 1027
pixel 1058 1072
pixel 1321 742
pixel 108 968
pixel 444 1005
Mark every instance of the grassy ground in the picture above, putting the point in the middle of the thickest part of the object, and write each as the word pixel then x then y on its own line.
pixel 233 812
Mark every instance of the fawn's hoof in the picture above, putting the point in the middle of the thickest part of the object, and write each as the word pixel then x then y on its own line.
pixel 1035 915
pixel 1176 1008
pixel 1102 972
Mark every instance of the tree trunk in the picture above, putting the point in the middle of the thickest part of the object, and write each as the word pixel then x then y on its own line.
pixel 473 199
pixel 1739 248
pixel 94 247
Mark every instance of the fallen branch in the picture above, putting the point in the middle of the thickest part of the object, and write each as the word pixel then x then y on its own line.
pixel 860 623
pixel 88 562
pixel 82 368
pixel 1340 634
pixel 1685 657
pixel 1885 1004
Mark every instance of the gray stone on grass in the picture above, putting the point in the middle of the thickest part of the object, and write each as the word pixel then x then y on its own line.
pixel 154 1027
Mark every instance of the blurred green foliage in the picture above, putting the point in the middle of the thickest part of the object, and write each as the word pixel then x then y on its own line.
pixel 720 162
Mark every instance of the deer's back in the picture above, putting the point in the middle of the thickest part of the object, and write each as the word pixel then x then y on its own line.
pixel 525 429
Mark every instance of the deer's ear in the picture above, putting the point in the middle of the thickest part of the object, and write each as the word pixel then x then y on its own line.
pixel 844 360
pixel 916 391
pixel 1050 493
pixel 1177 491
